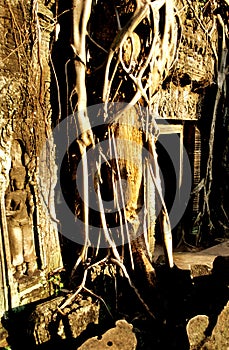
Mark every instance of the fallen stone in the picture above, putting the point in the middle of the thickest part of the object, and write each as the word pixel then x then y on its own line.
pixel 196 328
pixel 119 338
pixel 47 323
pixel 219 339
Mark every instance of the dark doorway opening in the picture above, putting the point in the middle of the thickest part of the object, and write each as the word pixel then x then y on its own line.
pixel 169 147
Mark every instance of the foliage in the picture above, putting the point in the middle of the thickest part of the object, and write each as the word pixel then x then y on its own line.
pixel 56 282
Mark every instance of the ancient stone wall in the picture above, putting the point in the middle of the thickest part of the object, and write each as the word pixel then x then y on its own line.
pixel 25 122
pixel 181 97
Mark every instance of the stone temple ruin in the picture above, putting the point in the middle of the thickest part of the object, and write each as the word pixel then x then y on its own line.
pixel 29 241
pixel 180 100
pixel 27 34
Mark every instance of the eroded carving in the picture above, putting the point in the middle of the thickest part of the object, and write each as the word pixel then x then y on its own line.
pixel 19 214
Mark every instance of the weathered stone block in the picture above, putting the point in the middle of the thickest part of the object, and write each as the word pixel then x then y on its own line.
pixel 119 338
pixel 49 323
pixel 219 339
pixel 195 329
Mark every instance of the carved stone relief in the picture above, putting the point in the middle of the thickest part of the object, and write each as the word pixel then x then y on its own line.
pixel 19 213
pixel 29 241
